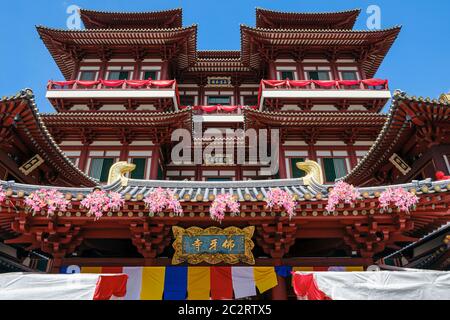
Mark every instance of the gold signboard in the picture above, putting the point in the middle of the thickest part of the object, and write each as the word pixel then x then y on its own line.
pixel 213 245
pixel 400 164
pixel 31 165
pixel 224 82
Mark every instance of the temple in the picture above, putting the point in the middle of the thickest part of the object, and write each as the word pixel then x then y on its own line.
pixel 131 81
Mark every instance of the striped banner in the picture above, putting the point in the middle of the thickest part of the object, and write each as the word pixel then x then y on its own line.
pixel 191 283
pixel 200 283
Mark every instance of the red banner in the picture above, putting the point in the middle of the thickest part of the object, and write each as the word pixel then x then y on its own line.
pixel 306 287
pixel 375 82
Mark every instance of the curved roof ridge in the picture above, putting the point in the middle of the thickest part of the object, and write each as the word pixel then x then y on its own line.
pixel 356 10
pixel 395 27
pixel 28 95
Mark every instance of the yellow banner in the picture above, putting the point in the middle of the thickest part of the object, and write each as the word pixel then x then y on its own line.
pixel 153 283
pixel 265 278
pixel 199 283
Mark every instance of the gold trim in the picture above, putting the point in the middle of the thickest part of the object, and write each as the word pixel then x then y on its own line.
pixel 313 170
pixel 179 257
pixel 118 171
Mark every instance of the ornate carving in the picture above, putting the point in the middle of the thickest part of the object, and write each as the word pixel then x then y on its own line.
pixel 313 170
pixel 118 171
pixel 246 256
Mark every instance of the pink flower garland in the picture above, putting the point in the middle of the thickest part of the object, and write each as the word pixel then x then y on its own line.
pixel 399 197
pixel 280 198
pixel 341 192
pixel 220 205
pixel 2 195
pixel 51 200
pixel 99 202
pixel 160 200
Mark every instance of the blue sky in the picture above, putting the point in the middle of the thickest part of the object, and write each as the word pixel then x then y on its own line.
pixel 417 63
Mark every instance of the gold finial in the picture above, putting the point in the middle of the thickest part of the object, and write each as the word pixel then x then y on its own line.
pixel 445 97
pixel 313 170
pixel 118 171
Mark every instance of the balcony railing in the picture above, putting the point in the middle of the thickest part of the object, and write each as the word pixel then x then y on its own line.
pixel 112 85
pixel 217 110
pixel 330 89
pixel 114 89
pixel 368 84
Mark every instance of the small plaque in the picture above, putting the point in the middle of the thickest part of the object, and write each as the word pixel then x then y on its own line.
pixel 219 82
pixel 31 165
pixel 400 164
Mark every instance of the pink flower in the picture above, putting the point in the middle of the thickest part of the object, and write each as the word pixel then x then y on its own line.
pixel 51 200
pixel 341 192
pixel 100 201
pixel 280 198
pixel 220 204
pixel 162 199
pixel 2 195
pixel 399 197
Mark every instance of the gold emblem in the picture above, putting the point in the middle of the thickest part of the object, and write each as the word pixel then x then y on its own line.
pixel 213 245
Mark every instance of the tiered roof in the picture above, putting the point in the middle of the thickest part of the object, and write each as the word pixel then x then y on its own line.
pixel 118 125
pixel 67 46
pixel 368 46
pixel 132 20
pixel 406 116
pixel 30 132
pixel 304 20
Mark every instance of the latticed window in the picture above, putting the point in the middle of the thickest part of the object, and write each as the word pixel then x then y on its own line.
pixel 319 75
pixel 118 75
pixel 287 75
pixel 88 75
pixel 335 168
pixel 296 172
pixel 139 172
pixel 153 75
pixel 100 168
pixel 222 100
pixel 349 75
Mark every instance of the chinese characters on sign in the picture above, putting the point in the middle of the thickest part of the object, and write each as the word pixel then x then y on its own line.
pixel 219 82
pixel 213 245
pixel 233 244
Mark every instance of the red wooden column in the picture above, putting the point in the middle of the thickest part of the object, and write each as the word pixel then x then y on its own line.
pixel 282 164
pixel 165 70
pixel 280 291
pixel 272 71
pixel 155 163
pixel 83 157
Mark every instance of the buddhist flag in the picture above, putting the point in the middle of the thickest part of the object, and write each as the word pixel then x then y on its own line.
pixel 221 283
pixel 243 282
pixel 265 278
pixel 152 283
pixel 175 285
pixel 134 284
pixel 199 283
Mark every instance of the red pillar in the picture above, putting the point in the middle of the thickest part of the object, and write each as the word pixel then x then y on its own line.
pixel 280 291
pixel 155 164
pixel 282 164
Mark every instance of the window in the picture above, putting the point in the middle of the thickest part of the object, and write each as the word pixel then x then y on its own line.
pixel 218 179
pixel 250 100
pixel 100 168
pixel 285 75
pixel 349 75
pixel 150 75
pixel 335 168
pixel 88 75
pixel 222 100
pixel 160 173
pixel 296 172
pixel 139 172
pixel 319 75
pixel 187 100
pixel 118 75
